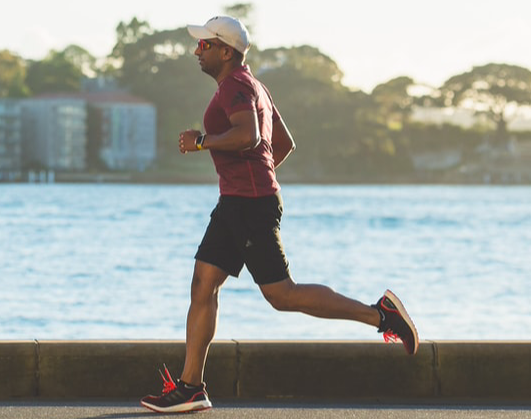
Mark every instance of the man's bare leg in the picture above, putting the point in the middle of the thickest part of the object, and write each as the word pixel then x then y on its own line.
pixel 202 319
pixel 319 301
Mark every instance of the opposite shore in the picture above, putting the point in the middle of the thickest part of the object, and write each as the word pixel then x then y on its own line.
pixel 157 178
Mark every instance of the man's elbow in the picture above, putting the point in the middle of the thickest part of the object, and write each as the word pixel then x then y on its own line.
pixel 290 146
pixel 254 141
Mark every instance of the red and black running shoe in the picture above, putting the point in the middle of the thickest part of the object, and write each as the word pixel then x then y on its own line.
pixel 395 323
pixel 177 397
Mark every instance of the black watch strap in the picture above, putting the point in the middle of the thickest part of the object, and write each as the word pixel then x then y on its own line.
pixel 199 141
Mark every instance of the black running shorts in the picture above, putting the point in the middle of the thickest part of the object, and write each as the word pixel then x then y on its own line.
pixel 246 231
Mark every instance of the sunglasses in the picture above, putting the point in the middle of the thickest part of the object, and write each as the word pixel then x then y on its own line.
pixel 205 45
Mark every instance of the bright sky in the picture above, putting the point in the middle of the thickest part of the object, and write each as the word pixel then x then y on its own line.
pixel 372 41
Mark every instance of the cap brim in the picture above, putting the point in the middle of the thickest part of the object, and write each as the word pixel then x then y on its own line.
pixel 200 32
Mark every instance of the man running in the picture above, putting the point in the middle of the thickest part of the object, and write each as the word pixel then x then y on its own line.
pixel 248 140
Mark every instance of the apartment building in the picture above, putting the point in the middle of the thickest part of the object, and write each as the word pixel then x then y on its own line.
pixel 54 132
pixel 59 129
pixel 10 138
pixel 126 130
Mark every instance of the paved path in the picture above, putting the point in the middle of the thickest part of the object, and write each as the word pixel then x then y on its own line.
pixel 117 410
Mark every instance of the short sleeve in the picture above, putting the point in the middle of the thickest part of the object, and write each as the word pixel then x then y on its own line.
pixel 236 97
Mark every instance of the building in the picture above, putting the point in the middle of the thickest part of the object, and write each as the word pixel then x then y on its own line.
pixel 10 139
pixel 464 118
pixel 54 133
pixel 76 132
pixel 125 130
pixel 468 118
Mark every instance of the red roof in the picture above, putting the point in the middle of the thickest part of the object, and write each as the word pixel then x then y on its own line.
pixel 97 97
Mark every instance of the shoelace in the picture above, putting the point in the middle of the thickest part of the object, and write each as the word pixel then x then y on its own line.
pixel 169 384
pixel 391 337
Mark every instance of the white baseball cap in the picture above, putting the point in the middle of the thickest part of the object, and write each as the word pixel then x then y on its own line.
pixel 228 29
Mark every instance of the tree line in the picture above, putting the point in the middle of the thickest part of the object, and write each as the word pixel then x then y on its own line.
pixel 341 134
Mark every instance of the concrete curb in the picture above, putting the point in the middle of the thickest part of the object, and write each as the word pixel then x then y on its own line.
pixel 442 371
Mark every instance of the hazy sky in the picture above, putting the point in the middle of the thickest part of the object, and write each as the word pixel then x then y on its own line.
pixel 372 41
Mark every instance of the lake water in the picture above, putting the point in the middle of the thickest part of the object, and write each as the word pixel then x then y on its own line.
pixel 115 261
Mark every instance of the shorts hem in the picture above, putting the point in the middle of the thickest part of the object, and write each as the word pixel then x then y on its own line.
pixel 217 265
pixel 269 282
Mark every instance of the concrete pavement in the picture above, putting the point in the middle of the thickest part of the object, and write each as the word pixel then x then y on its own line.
pixel 131 410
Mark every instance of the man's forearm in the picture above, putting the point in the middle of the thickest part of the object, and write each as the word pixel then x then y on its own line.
pixel 235 139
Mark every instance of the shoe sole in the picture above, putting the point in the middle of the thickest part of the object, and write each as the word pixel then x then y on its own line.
pixel 402 310
pixel 180 408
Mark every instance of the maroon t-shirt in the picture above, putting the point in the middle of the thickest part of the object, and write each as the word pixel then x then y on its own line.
pixel 248 173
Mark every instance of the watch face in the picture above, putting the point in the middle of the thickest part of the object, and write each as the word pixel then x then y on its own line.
pixel 199 141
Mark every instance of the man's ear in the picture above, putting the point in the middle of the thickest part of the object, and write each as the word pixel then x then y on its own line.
pixel 228 53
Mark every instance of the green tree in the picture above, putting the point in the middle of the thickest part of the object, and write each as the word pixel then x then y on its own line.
pixel 83 60
pixel 334 142
pixel 160 66
pixel 56 73
pixel 318 109
pixel 242 11
pixel 306 60
pixel 148 63
pixel 490 89
pixel 12 75
pixel 392 102
pixel 129 33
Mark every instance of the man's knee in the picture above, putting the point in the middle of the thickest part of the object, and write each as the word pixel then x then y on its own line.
pixel 201 288
pixel 279 302
pixel 280 295
pixel 206 282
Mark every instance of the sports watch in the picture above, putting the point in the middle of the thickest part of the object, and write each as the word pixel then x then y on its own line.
pixel 199 141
